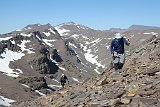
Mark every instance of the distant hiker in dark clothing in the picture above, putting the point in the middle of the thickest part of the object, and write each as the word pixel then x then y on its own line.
pixel 63 80
pixel 117 50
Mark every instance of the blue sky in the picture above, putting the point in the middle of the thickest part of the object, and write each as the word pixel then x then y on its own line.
pixel 97 14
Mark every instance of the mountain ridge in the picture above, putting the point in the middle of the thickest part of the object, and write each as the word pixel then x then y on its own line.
pixel 137 84
pixel 45 52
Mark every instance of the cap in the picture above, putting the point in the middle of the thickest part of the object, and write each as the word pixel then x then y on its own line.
pixel 118 36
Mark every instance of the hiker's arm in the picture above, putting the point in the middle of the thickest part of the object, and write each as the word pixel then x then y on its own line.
pixel 111 48
pixel 126 41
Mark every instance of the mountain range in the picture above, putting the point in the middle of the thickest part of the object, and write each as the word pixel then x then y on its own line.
pixel 33 58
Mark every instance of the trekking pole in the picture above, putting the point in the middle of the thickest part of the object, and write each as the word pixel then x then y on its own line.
pixel 129 53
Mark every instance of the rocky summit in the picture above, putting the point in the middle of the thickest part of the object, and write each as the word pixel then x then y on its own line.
pixel 32 60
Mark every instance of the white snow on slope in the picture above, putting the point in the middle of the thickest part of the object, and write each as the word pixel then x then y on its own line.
pixel 39 93
pixel 5 101
pixel 20 71
pixel 4 63
pixel 46 41
pixel 53 86
pixel 25 85
pixel 13 42
pixel 75 36
pixel 52 31
pixel 96 41
pixel 47 33
pixel 55 80
pixel 62 68
pixel 76 80
pixel 152 33
pixel 61 30
pixel 6 38
pixel 23 47
pixel 85 37
pixel 91 58
pixel 35 90
pixel 23 34
pixel 71 44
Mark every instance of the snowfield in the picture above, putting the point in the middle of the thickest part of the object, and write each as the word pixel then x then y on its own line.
pixel 76 80
pixel 9 56
pixel 5 101
pixel 6 38
pixel 61 30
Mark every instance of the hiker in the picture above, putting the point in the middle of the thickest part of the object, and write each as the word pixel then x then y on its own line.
pixel 117 51
pixel 63 80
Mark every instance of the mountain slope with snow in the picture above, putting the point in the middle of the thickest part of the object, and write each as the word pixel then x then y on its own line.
pixel 137 84
pixel 34 57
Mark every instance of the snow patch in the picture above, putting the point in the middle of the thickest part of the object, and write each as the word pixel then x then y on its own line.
pixel 71 44
pixel 47 33
pixel 61 30
pixel 47 42
pixel 13 42
pixel 96 41
pixel 29 28
pixel 97 71
pixel 84 70
pixel 55 80
pixel 23 34
pixel 76 80
pixel 62 68
pixel 6 38
pixel 52 31
pixel 39 93
pixel 75 36
pixel 108 46
pixel 53 86
pixel 38 37
pixel 85 37
pixel 25 85
pixel 5 101
pixel 20 71
pixel 87 43
pixel 53 60
pixel 7 57
pixel 23 47
pixel 90 57
pixel 152 33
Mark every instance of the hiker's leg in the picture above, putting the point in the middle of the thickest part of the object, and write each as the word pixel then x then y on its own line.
pixel 62 85
pixel 116 66
pixel 121 61
pixel 120 66
pixel 115 61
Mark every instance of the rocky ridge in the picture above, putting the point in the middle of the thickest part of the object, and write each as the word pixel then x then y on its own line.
pixel 136 85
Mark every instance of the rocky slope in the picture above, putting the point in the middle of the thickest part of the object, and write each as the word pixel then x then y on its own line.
pixel 136 85
pixel 32 59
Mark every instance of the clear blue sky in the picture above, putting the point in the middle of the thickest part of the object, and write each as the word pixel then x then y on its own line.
pixel 97 14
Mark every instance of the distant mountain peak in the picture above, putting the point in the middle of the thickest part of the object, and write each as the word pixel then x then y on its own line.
pixel 117 30
pixel 38 25
pixel 80 26
pixel 142 27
